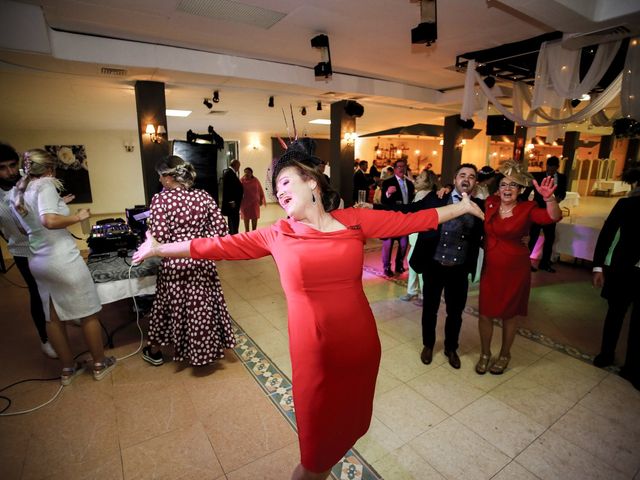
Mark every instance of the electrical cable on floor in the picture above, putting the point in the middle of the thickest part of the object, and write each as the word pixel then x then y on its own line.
pixel 22 412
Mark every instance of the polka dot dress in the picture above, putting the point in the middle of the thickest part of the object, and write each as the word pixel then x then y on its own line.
pixel 189 311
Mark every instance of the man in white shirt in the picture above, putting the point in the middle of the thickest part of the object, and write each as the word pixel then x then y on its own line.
pixel 18 242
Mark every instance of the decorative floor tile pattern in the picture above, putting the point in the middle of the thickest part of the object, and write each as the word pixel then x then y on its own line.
pixel 277 387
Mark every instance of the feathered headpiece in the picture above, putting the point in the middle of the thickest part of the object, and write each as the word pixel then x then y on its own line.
pixel 515 171
pixel 299 150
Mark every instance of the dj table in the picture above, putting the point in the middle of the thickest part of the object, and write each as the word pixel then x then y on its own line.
pixel 111 275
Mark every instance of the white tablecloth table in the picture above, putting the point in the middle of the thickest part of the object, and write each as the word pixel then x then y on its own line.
pixel 572 199
pixel 614 187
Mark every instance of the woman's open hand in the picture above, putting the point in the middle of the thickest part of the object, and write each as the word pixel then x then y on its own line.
pixel 471 207
pixel 145 250
pixel 545 188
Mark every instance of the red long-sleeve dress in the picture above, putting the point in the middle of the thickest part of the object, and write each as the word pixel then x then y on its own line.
pixel 505 281
pixel 333 340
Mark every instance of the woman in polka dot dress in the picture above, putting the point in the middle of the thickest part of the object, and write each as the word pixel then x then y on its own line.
pixel 189 311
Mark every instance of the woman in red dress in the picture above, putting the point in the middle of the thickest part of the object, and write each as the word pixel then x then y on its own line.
pixel 334 345
pixel 252 199
pixel 506 274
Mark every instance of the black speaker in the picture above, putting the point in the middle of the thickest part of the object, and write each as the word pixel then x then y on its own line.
pixel 353 108
pixel 499 125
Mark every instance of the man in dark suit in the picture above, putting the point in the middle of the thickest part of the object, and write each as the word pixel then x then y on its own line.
pixel 396 190
pixel 445 257
pixel 549 231
pixel 361 180
pixel 232 196
pixel 621 279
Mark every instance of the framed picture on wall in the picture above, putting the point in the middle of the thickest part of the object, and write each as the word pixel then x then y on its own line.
pixel 73 171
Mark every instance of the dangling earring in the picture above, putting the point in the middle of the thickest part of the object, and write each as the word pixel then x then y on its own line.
pixel 313 197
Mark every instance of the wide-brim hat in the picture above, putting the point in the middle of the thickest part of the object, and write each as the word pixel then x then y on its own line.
pixel 517 172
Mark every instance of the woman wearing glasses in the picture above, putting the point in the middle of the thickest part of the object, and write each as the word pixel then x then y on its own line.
pixel 506 275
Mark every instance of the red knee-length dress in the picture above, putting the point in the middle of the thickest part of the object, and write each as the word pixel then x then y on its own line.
pixel 333 340
pixel 505 281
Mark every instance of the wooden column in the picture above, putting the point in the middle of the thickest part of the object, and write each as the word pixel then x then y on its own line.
pixel 606 145
pixel 342 152
pixel 151 108
pixel 519 144
pixel 569 148
pixel 451 152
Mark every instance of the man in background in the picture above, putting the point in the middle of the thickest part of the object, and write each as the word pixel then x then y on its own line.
pixel 232 196
pixel 18 242
pixel 549 231
pixel 361 180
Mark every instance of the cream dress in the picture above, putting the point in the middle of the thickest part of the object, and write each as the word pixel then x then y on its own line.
pixel 62 275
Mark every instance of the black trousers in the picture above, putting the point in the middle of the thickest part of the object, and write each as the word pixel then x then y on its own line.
pixel 549 232
pixel 233 221
pixel 454 281
pixel 37 313
pixel 622 290
pixel 401 252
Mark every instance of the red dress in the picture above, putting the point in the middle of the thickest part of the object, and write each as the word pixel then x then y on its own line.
pixel 506 273
pixel 252 198
pixel 333 340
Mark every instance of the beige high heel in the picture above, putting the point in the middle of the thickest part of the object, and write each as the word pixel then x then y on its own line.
pixel 500 365
pixel 483 364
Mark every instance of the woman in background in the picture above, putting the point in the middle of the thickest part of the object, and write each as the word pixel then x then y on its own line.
pixel 64 281
pixel 253 198
pixel 319 253
pixel 505 281
pixel 424 183
pixel 189 311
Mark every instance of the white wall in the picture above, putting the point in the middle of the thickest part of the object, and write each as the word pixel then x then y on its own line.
pixel 115 175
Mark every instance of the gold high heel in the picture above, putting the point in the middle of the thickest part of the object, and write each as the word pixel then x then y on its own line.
pixel 483 364
pixel 500 365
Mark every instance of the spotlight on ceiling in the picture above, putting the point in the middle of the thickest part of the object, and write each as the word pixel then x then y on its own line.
pixel 207 103
pixel 216 96
pixel 303 111
pixel 353 108
pixel 322 69
pixel 319 106
pixel 427 30
pixel 271 102
pixel 490 82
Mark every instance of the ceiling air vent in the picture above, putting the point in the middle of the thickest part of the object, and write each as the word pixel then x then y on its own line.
pixel 113 72
pixel 229 10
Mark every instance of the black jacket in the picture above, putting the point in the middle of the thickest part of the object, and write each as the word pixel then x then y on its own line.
pixel 231 191
pixel 422 257
pixel 396 197
pixel 560 192
pixel 624 217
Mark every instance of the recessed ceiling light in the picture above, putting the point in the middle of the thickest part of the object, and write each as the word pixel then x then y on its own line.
pixel 321 121
pixel 178 113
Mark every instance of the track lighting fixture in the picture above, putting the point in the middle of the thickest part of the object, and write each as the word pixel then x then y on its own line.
pixel 216 96
pixel 575 102
pixel 207 103
pixel 271 102
pixel 303 111
pixel 490 82
pixel 322 69
pixel 319 106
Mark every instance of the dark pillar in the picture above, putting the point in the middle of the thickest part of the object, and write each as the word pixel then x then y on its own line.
pixel 519 143
pixel 342 152
pixel 151 108
pixel 606 145
pixel 451 152
pixel 633 152
pixel 569 148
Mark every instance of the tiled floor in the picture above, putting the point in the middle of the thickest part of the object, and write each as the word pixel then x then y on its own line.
pixel 549 416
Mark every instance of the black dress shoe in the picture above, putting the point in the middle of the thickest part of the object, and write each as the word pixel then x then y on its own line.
pixel 454 359
pixel 400 270
pixel 388 272
pixel 427 355
pixel 533 269
pixel 603 360
pixel 547 268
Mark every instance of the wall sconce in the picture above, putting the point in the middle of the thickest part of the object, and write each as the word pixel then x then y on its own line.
pixel 350 137
pixel 462 143
pixel 156 136
pixel 128 147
